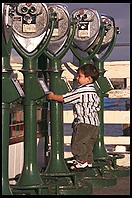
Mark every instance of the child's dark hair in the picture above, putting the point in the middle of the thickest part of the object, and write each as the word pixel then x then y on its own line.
pixel 89 70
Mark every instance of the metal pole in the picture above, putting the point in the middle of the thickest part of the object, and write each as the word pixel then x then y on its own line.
pixel 97 175
pixel 56 163
pixel 99 148
pixel 6 190
pixel 30 174
pixel 43 125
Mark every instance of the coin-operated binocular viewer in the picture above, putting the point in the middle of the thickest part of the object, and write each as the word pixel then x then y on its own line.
pixel 58 46
pixel 109 24
pixel 32 30
pixel 91 39
pixel 104 51
pixel 89 28
pixel 100 153
pixel 11 91
pixel 59 39
pixel 57 173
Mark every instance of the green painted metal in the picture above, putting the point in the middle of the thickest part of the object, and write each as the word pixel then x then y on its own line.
pixel 56 162
pixel 100 155
pixel 100 152
pixel 97 177
pixel 6 190
pixel 9 91
pixel 57 175
pixel 9 95
pixel 30 175
pixel 43 123
pixel 33 91
pixel 99 148
pixel 101 173
pixel 87 59
pixel 57 178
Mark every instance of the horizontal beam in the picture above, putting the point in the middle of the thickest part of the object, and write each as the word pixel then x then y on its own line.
pixel 117 70
pixel 113 140
pixel 111 117
pixel 119 93
pixel 117 117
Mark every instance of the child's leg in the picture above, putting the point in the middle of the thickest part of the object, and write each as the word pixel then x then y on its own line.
pixel 83 139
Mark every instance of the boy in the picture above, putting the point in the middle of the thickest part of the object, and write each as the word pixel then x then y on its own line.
pixel 86 105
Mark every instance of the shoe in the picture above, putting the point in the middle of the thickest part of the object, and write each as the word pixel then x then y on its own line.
pixel 90 165
pixel 79 165
pixel 72 161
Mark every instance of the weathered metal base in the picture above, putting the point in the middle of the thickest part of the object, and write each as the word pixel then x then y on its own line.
pixel 57 189
pixel 109 165
pixel 96 179
pixel 68 190
pixel 6 190
pixel 65 184
pixel 121 171
pixel 98 175
pixel 28 190
pixel 55 184
pixel 85 189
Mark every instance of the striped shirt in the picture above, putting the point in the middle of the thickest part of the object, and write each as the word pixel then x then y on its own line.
pixel 86 104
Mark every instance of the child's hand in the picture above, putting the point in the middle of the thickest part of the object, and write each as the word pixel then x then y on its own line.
pixel 50 96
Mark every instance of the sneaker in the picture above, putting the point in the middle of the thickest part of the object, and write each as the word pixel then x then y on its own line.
pixel 90 165
pixel 72 161
pixel 79 165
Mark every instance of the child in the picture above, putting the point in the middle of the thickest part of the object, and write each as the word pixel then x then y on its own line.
pixel 86 105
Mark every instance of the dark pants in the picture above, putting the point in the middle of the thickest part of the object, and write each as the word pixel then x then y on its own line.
pixel 83 139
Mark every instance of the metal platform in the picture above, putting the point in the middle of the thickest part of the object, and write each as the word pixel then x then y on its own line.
pixel 121 188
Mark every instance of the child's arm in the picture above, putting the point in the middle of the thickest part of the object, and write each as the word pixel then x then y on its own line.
pixel 52 96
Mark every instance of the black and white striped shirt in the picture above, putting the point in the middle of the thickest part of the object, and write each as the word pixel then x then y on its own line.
pixel 85 104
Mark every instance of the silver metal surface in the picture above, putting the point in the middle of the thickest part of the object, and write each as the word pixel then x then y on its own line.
pixel 27 23
pixel 88 27
pixel 110 25
pixel 109 33
pixel 6 21
pixel 30 23
pixel 61 29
